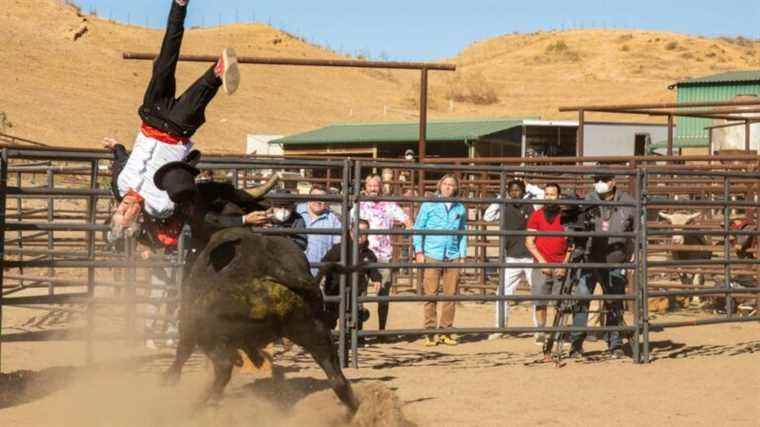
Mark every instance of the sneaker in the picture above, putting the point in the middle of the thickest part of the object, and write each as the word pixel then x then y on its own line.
pixel 151 345
pixel 227 70
pixel 448 340
pixel 617 353
pixel 496 336
pixel 430 341
pixel 576 352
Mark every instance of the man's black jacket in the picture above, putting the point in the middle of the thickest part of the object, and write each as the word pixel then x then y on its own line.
pixel 332 280
pixel 216 206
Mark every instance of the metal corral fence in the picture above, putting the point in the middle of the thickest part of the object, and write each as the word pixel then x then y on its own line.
pixel 55 257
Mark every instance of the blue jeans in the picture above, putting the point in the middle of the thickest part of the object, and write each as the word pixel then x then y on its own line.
pixel 613 282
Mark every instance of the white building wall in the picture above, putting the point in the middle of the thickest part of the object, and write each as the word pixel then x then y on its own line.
pixel 733 138
pixel 618 139
pixel 260 144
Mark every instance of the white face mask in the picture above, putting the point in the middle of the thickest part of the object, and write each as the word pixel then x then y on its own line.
pixel 602 187
pixel 281 214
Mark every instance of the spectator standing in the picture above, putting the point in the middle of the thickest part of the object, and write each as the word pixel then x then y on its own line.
pixel 610 219
pixel 441 248
pixel 516 252
pixel 317 214
pixel 381 216
pixel 546 250
pixel 332 279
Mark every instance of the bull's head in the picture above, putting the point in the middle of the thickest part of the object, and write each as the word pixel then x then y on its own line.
pixel 678 221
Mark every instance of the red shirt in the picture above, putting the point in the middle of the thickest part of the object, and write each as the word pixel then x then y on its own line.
pixel 553 249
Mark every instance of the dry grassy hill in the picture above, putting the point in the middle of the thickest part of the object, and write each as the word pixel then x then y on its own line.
pixel 72 92
pixel 534 74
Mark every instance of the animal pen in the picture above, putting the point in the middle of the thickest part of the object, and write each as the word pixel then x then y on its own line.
pixel 54 203
pixel 55 257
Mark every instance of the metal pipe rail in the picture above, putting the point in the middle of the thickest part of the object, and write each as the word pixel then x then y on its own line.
pixel 345 63
pixel 494 298
pixel 639 180
pixel 481 331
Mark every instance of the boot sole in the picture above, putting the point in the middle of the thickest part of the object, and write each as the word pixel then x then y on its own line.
pixel 231 74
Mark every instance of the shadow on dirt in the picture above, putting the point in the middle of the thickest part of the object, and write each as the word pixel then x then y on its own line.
pixel 24 386
pixel 669 350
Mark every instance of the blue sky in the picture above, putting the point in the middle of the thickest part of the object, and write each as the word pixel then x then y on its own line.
pixel 426 30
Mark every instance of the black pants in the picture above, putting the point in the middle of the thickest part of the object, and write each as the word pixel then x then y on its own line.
pixel 120 157
pixel 332 309
pixel 382 307
pixel 184 115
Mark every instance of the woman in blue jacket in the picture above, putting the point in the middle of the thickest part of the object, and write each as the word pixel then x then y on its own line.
pixel 446 249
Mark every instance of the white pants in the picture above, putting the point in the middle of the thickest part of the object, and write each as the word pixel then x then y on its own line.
pixel 510 282
pixel 147 156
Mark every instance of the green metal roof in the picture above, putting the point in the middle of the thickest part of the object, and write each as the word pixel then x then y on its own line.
pixel 439 131
pixel 727 77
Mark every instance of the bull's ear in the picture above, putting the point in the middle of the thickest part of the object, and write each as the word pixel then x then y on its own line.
pixel 223 254
pixel 666 216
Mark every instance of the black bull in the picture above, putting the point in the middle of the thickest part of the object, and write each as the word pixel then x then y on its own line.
pixel 244 291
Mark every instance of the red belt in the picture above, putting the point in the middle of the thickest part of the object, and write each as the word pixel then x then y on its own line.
pixel 162 136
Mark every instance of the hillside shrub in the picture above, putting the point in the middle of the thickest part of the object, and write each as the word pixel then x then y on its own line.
pixel 472 88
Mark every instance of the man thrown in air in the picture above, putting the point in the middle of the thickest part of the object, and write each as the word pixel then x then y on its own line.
pixel 168 123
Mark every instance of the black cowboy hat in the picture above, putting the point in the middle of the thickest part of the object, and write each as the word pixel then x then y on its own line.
pixel 603 177
pixel 178 178
pixel 280 202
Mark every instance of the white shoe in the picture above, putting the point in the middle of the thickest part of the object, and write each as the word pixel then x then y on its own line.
pixel 151 345
pixel 228 71
pixel 495 336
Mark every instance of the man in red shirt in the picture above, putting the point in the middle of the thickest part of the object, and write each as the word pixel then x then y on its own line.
pixel 546 250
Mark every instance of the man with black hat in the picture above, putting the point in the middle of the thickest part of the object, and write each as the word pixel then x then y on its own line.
pixel 615 250
pixel 168 123
pixel 210 206
pixel 282 214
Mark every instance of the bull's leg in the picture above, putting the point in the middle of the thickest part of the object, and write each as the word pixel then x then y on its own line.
pixel 222 357
pixel 185 348
pixel 258 357
pixel 315 338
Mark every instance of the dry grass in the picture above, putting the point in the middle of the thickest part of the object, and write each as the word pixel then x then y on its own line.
pixel 473 88
pixel 73 93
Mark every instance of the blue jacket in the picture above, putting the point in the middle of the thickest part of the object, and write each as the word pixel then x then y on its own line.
pixel 435 216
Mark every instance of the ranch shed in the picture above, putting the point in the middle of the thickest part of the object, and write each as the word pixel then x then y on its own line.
pixel 507 137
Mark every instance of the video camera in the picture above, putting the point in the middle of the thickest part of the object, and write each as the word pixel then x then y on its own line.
pixel 580 219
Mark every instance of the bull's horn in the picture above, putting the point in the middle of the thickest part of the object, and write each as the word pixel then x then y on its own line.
pixel 261 190
pixel 695 216
pixel 666 216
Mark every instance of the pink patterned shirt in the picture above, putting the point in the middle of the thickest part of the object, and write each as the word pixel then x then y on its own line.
pixel 381 216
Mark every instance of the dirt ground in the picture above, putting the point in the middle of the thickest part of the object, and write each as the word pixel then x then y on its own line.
pixel 707 375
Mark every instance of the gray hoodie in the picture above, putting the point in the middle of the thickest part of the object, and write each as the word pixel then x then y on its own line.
pixel 618 219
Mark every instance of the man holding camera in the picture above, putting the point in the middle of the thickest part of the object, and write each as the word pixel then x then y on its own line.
pixel 613 250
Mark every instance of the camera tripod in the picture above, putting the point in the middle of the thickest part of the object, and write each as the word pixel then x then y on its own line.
pixel 564 308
